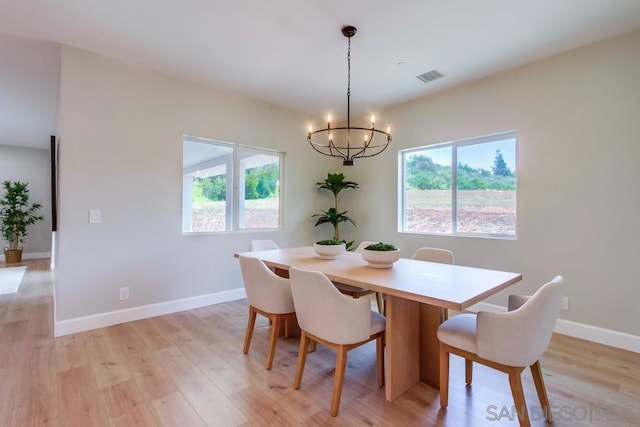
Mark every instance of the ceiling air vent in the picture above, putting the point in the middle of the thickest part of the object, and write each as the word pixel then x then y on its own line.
pixel 430 76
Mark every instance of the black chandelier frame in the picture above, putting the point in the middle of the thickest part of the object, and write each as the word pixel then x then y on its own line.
pixel 349 150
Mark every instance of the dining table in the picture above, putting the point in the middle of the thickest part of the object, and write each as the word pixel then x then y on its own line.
pixel 417 292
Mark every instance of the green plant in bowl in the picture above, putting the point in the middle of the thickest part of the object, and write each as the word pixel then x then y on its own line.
pixel 381 247
pixel 330 242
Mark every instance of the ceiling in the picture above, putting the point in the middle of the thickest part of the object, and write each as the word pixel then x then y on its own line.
pixel 289 52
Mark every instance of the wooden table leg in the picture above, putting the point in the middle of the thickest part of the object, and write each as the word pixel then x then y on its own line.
pixel 281 272
pixel 403 348
pixel 291 329
pixel 430 318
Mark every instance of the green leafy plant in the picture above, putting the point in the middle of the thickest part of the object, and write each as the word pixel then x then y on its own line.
pixel 381 247
pixel 335 183
pixel 330 242
pixel 16 214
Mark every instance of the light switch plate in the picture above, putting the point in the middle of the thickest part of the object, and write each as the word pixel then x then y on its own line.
pixel 94 216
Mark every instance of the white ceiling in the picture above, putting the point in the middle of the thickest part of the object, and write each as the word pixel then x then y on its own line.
pixel 291 52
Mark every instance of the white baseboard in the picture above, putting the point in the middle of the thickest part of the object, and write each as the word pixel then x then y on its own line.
pixel 31 255
pixel 65 327
pixel 579 330
pixel 85 323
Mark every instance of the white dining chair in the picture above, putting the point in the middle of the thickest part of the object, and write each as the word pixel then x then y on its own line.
pixel 443 256
pixel 268 295
pixel 330 318
pixel 262 245
pixel 508 342
pixel 363 245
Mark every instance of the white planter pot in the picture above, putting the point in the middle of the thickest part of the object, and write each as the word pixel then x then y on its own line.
pixel 330 251
pixel 380 259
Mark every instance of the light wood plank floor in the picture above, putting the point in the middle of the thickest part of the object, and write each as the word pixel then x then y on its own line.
pixel 187 369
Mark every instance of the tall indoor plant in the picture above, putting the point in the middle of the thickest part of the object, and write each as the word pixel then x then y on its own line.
pixel 335 183
pixel 16 214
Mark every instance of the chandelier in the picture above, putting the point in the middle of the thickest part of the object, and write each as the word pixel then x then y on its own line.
pixel 349 142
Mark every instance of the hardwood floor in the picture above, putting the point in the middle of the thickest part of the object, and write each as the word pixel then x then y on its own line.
pixel 187 369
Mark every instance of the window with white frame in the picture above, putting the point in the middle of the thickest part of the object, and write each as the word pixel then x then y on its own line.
pixel 229 187
pixel 465 187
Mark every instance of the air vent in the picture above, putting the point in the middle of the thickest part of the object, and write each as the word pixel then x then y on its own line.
pixel 430 76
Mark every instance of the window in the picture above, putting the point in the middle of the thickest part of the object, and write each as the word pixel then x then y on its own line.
pixel 465 187
pixel 229 187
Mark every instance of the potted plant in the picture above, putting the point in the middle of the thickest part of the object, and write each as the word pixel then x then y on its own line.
pixel 16 214
pixel 381 255
pixel 330 248
pixel 335 183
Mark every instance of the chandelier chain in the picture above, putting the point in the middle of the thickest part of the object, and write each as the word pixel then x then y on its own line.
pixel 349 69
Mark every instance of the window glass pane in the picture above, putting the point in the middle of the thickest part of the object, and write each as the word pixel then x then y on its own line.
pixel 486 197
pixel 209 202
pixel 428 190
pixel 260 189
pixel 207 189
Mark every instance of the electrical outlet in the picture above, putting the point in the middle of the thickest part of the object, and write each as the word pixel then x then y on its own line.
pixel 124 293
pixel 564 305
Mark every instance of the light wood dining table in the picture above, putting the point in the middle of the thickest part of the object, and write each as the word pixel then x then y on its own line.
pixel 416 294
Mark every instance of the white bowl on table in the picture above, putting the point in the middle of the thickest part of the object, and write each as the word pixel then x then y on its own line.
pixel 330 251
pixel 380 259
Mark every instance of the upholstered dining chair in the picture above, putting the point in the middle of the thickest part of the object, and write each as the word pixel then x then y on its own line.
pixel 363 245
pixel 268 295
pixel 341 323
pixel 262 245
pixel 508 342
pixel 443 256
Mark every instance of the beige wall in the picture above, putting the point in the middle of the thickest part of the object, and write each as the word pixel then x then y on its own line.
pixel 577 118
pixel 121 130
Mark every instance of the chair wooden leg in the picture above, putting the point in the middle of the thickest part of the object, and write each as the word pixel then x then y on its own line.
pixel 273 340
pixel 444 376
pixel 468 371
pixel 249 333
pixel 287 326
pixel 380 360
pixel 536 372
pixel 302 358
pixel 341 364
pixel 380 303
pixel 518 396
